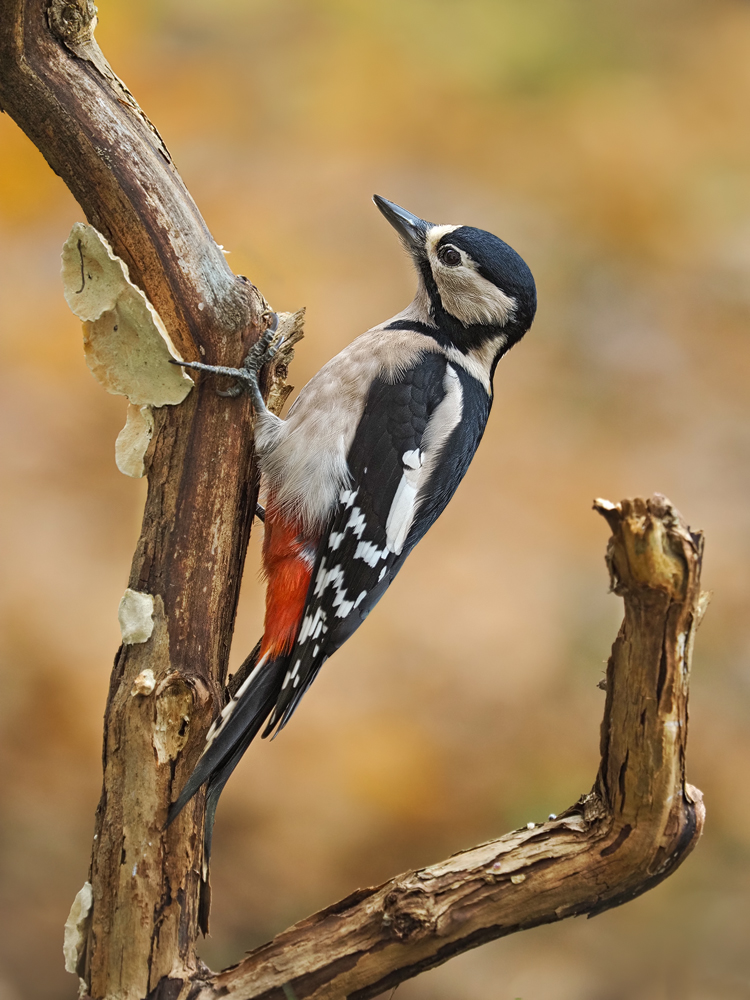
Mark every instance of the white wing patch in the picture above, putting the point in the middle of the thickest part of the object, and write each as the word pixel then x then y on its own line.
pixel 303 458
pixel 403 508
pixel 418 465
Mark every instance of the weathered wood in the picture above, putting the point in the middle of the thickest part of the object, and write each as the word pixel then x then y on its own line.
pixel 58 87
pixel 633 829
pixel 629 833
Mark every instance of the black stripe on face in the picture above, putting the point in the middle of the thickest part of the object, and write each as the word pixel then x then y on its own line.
pixel 450 331
pixel 501 265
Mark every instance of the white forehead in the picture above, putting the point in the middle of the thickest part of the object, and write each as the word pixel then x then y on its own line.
pixel 435 235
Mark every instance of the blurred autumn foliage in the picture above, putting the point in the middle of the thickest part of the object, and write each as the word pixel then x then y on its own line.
pixel 609 144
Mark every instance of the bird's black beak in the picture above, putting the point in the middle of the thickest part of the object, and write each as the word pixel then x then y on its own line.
pixel 410 228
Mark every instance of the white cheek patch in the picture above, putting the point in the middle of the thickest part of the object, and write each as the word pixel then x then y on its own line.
pixel 471 298
pixel 464 293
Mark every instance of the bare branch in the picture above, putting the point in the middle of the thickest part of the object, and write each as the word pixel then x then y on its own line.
pixel 628 834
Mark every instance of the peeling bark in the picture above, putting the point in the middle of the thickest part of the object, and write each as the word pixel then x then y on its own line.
pixel 135 935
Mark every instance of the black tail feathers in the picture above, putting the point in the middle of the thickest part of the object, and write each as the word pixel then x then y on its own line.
pixel 251 703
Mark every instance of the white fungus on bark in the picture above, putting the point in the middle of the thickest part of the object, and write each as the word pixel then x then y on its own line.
pixel 74 938
pixel 133 440
pixel 125 342
pixel 144 683
pixel 136 616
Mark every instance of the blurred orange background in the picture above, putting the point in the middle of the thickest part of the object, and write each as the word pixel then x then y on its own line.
pixel 609 144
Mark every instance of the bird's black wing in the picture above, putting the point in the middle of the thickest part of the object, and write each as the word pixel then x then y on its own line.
pixel 413 445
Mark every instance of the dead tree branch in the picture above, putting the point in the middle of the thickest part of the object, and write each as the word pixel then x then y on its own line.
pixel 137 931
pixel 629 833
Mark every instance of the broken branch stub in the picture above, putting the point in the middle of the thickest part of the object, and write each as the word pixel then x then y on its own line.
pixel 633 829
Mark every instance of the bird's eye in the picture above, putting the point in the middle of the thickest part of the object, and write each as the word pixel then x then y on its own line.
pixel 449 256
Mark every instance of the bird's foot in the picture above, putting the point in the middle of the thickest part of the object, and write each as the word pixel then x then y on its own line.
pixel 262 351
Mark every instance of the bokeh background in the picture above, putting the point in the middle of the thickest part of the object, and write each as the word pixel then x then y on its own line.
pixel 610 144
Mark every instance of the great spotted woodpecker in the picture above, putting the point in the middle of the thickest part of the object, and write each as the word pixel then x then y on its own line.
pixel 368 457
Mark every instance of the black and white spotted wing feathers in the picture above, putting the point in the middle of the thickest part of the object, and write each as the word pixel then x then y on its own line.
pixel 415 440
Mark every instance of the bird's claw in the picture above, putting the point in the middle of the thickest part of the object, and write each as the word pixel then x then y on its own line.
pixel 232 392
pixel 262 351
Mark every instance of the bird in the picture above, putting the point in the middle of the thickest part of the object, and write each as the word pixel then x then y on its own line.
pixel 366 460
